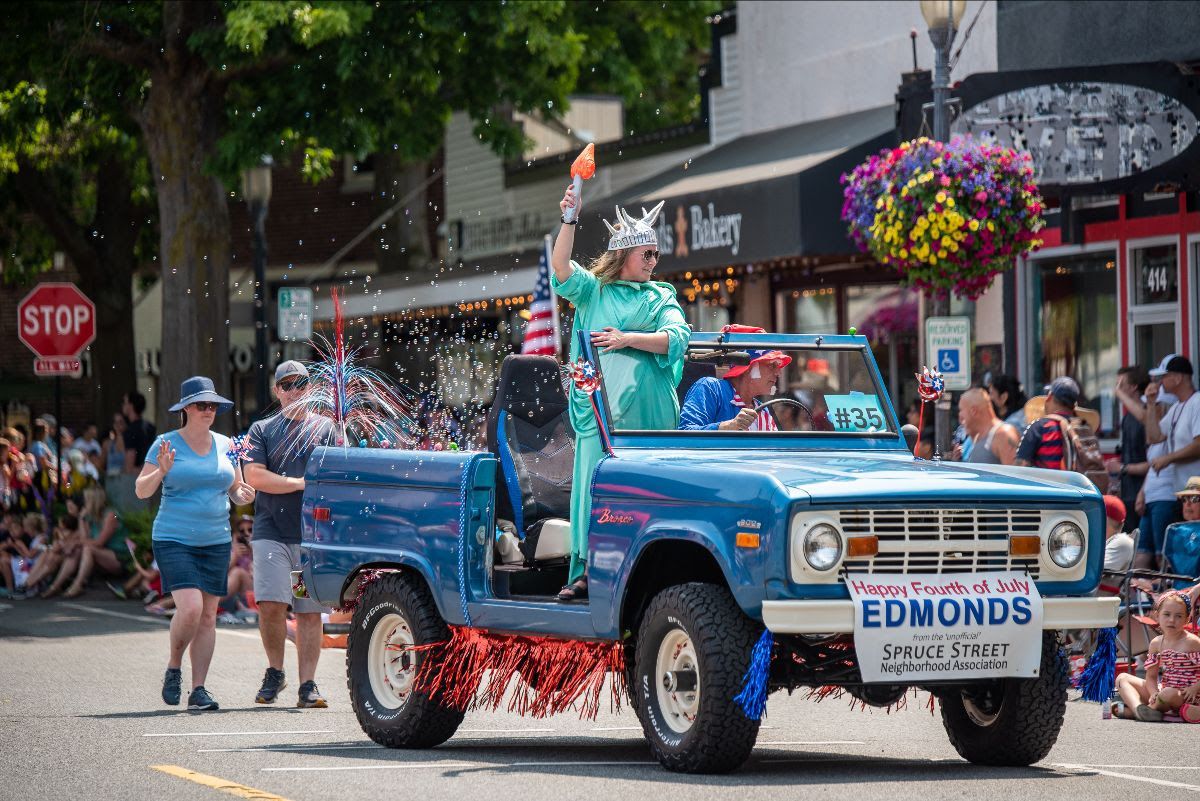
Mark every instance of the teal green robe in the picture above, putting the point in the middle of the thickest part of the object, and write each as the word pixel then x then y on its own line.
pixel 640 385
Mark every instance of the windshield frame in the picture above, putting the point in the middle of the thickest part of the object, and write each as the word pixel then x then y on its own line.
pixel 786 342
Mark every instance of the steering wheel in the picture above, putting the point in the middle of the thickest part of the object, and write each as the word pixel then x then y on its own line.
pixel 792 401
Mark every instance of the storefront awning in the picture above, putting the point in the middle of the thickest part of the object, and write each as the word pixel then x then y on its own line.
pixel 411 292
pixel 765 196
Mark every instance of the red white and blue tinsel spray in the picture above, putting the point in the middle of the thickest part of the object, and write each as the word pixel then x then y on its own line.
pixel 1097 680
pixel 930 386
pixel 363 405
pixel 753 697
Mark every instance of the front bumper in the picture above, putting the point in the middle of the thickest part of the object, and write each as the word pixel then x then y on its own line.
pixel 837 617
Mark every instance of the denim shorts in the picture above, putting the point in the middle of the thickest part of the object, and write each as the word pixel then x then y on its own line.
pixel 1159 515
pixel 183 567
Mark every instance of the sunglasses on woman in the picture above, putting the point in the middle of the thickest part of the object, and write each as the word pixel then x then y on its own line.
pixel 1191 499
pixel 650 255
pixel 205 406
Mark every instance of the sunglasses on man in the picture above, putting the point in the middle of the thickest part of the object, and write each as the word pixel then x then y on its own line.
pixel 289 385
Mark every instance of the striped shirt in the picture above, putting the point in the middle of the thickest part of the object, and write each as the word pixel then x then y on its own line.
pixel 1177 669
pixel 1042 445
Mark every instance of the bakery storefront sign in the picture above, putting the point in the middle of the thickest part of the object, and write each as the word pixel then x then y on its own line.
pixel 732 225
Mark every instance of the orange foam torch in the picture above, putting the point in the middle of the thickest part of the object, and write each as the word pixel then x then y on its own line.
pixel 583 168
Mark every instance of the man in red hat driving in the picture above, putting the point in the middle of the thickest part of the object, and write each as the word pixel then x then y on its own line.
pixel 727 403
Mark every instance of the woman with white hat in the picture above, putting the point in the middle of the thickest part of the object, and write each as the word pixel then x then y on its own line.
pixel 639 331
pixel 191 533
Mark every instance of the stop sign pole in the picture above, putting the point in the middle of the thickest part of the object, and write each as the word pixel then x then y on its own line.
pixel 56 321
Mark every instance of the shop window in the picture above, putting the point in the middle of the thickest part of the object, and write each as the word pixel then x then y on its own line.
pixel 1154 311
pixel 1075 329
pixel 888 316
pixel 814 311
pixel 707 315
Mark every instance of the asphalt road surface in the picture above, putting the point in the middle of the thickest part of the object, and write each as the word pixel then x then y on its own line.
pixel 81 718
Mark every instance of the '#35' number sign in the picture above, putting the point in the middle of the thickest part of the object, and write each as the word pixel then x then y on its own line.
pixel 855 412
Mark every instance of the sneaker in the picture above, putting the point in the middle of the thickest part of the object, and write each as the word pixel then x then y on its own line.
pixel 228 619
pixel 273 682
pixel 310 697
pixel 117 589
pixel 171 686
pixel 201 701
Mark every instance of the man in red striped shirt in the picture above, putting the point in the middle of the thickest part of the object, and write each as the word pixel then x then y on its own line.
pixel 1043 443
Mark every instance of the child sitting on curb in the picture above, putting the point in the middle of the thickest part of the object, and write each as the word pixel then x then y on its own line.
pixel 1172 682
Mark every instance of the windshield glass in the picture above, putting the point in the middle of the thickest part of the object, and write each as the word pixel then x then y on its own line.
pixel 729 389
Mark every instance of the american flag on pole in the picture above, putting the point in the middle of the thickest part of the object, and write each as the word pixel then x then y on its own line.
pixel 541 333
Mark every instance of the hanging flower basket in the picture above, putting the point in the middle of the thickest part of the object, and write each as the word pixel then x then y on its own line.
pixel 949 217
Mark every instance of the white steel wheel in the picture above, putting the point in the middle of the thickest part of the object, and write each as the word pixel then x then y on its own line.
pixel 678 681
pixel 391 662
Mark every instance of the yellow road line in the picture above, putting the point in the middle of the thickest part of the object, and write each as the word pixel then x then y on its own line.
pixel 224 785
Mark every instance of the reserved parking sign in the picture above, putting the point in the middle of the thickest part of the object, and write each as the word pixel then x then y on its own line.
pixel 973 625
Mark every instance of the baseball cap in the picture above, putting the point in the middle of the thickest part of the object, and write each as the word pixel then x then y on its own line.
pixel 1114 508
pixel 1172 363
pixel 1064 390
pixel 290 368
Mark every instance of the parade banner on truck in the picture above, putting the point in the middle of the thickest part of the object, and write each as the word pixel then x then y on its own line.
pixel 926 626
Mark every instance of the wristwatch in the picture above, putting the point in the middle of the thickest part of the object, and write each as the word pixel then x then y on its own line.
pixel 565 221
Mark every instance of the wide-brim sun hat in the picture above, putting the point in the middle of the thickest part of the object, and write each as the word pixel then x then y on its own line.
pixel 1191 488
pixel 200 389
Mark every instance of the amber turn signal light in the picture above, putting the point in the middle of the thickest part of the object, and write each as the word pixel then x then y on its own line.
pixel 1025 545
pixel 862 546
pixel 747 540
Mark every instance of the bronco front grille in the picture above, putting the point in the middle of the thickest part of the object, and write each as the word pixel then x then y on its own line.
pixel 941 540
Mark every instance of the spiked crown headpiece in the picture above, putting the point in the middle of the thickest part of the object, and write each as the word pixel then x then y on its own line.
pixel 630 232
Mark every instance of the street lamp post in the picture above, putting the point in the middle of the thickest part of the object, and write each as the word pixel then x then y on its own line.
pixel 256 191
pixel 942 17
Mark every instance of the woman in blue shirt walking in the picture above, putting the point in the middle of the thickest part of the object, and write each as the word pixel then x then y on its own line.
pixel 191 533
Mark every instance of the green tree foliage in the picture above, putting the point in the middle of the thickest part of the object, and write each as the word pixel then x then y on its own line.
pixel 205 88
pixel 72 182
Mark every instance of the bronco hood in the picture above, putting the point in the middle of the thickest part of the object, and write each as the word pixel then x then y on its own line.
pixel 860 477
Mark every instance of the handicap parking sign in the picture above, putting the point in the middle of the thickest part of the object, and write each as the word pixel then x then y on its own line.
pixel 948 350
pixel 947 360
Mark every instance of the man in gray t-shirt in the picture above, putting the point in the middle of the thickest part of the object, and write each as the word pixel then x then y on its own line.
pixel 280 446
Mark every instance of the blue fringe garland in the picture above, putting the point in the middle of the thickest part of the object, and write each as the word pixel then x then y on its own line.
pixel 753 697
pixel 1100 675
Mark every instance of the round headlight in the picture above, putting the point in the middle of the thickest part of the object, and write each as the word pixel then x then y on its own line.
pixel 1066 544
pixel 822 546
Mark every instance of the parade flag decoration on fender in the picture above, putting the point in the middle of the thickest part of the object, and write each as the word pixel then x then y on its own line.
pixel 582 169
pixel 586 378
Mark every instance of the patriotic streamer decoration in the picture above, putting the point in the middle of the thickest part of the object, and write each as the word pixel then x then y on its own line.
pixel 475 668
pixel 586 378
pixel 362 404
pixel 583 168
pixel 1100 676
pixel 755 683
pixel 930 386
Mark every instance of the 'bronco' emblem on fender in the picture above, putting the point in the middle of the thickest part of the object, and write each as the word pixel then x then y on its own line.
pixel 606 516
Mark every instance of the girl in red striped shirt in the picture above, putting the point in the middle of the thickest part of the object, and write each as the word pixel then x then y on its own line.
pixel 1172 682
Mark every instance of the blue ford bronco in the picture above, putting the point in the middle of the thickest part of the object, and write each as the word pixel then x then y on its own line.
pixel 860 569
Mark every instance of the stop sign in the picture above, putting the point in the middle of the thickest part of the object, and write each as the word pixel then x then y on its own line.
pixel 56 320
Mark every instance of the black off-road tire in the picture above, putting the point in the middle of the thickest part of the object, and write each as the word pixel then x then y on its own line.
pixel 421 721
pixel 721 737
pixel 1022 717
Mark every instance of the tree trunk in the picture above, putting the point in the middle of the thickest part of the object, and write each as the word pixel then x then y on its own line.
pixel 109 283
pixel 402 242
pixel 180 121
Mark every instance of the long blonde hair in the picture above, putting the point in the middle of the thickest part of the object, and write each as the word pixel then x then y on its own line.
pixel 607 266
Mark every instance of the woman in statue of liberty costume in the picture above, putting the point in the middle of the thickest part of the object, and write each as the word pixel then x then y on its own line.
pixel 639 332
